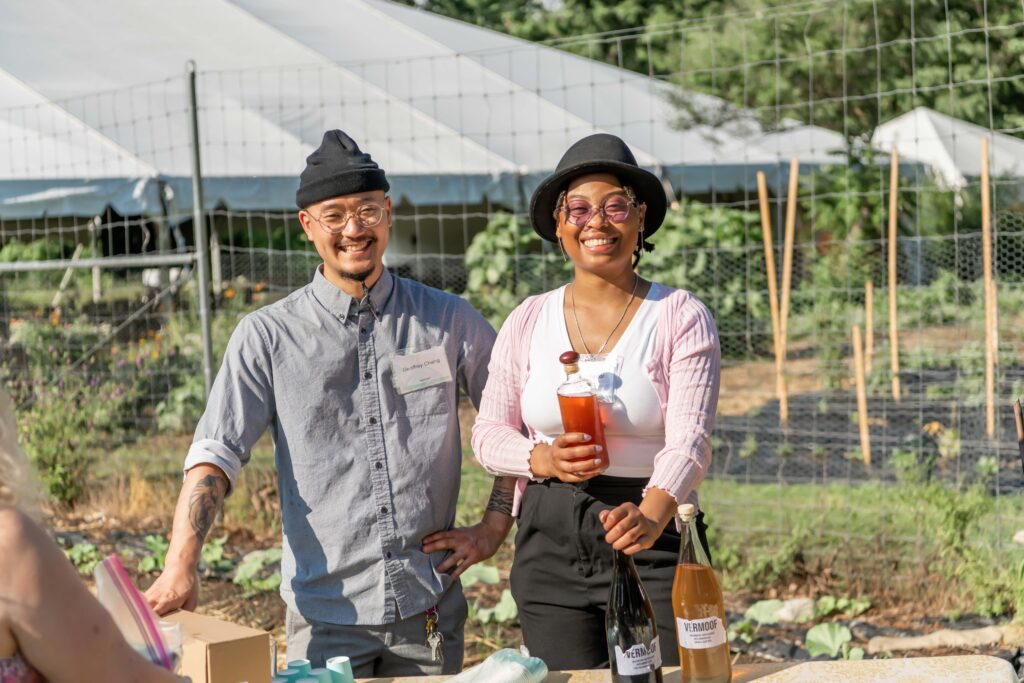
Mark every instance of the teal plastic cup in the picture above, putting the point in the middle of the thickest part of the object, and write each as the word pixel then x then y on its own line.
pixel 341 669
pixel 321 675
pixel 301 665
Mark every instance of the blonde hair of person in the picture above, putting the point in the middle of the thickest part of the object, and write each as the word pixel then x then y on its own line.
pixel 18 485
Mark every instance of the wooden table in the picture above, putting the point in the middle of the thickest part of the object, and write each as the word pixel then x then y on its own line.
pixel 973 668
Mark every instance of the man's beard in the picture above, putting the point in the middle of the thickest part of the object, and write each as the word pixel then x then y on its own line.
pixel 356 277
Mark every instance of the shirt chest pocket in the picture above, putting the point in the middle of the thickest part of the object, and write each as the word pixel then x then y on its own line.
pixel 433 400
pixel 422 381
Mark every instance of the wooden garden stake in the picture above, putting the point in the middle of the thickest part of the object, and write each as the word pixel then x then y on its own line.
pixel 787 252
pixel 869 325
pixel 894 337
pixel 773 299
pixel 862 396
pixel 991 342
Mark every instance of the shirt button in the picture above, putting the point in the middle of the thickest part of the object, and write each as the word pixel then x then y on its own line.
pixel 388 554
pixel 373 420
pixel 363 330
pixel 384 510
pixel 367 375
pixel 378 466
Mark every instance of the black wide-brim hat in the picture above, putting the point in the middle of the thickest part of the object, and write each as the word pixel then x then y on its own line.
pixel 598 153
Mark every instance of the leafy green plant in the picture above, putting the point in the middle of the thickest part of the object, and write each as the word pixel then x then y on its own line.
pixel 182 405
pixel 157 552
pixel 717 254
pixel 764 611
pixel 84 556
pixel 749 446
pixel 828 605
pixel 504 611
pixel 503 267
pixel 743 630
pixel 213 559
pixel 63 428
pixel 259 571
pixel 909 467
pixel 767 568
pixel 986 468
pixel 482 573
pixel 832 640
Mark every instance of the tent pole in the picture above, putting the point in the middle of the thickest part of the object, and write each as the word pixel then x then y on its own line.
pixel 97 281
pixel 199 225
pixel 163 246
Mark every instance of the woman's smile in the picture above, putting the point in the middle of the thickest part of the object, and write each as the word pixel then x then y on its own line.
pixel 599 244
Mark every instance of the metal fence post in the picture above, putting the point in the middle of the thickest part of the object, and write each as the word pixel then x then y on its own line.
pixel 97 282
pixel 199 227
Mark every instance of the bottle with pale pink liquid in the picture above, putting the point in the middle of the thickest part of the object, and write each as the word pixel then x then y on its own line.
pixel 699 610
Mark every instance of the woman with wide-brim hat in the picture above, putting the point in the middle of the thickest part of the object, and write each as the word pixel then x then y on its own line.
pixel 654 351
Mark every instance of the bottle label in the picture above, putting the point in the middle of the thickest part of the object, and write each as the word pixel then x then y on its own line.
pixel 639 659
pixel 700 634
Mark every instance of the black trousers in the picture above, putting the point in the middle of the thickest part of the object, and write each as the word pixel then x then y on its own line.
pixel 562 571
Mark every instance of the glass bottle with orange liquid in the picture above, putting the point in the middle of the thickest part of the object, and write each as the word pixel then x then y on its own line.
pixel 577 401
pixel 699 610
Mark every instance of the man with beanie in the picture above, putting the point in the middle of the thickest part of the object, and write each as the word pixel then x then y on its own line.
pixel 357 375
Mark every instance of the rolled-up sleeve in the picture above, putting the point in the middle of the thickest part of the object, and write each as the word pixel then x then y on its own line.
pixel 241 403
pixel 474 352
pixel 693 381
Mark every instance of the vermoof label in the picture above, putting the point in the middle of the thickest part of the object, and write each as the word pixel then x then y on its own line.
pixel 639 659
pixel 700 634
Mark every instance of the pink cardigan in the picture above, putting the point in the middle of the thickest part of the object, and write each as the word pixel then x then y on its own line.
pixel 684 371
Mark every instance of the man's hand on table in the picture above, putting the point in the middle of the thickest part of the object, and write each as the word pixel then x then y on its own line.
pixel 467 545
pixel 175 588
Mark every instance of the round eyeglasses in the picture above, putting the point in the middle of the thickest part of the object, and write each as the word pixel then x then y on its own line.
pixel 333 221
pixel 615 209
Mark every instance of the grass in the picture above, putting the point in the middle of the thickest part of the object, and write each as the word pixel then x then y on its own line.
pixel 886 541
pixel 897 543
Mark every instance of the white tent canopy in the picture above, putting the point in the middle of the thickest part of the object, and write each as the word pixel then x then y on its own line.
pixel 949 146
pixel 93 106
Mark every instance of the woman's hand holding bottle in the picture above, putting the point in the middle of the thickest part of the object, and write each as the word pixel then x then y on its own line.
pixel 570 458
pixel 632 528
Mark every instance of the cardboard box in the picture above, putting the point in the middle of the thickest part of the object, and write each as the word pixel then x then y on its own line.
pixel 216 651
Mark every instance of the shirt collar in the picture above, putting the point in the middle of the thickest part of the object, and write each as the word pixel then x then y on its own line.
pixel 342 305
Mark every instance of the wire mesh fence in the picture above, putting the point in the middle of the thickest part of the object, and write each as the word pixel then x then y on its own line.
pixel 465 135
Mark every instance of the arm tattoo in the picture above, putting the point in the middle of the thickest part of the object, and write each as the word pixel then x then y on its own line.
pixel 203 504
pixel 502 495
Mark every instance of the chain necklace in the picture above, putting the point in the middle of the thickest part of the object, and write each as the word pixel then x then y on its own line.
pixel 572 298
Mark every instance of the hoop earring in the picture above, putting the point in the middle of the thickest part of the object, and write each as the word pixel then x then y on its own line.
pixel 562 249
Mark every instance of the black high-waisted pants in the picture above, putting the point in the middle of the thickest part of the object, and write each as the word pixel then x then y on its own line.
pixel 563 566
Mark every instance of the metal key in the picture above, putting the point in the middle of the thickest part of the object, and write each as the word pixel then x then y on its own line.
pixel 435 641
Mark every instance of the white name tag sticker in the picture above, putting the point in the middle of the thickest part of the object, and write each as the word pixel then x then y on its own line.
pixel 417 370
pixel 602 371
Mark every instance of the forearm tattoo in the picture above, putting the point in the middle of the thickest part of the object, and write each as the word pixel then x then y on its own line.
pixel 203 504
pixel 502 495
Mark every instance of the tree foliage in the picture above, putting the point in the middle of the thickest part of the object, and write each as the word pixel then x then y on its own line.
pixel 847 65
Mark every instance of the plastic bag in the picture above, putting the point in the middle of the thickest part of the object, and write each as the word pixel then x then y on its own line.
pixel 158 641
pixel 505 666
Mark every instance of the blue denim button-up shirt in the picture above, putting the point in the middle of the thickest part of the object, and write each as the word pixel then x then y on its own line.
pixel 364 472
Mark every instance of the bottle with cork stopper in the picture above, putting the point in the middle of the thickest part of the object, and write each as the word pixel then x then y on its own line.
pixel 579 406
pixel 699 609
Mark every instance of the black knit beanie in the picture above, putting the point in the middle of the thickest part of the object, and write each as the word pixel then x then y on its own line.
pixel 338 168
